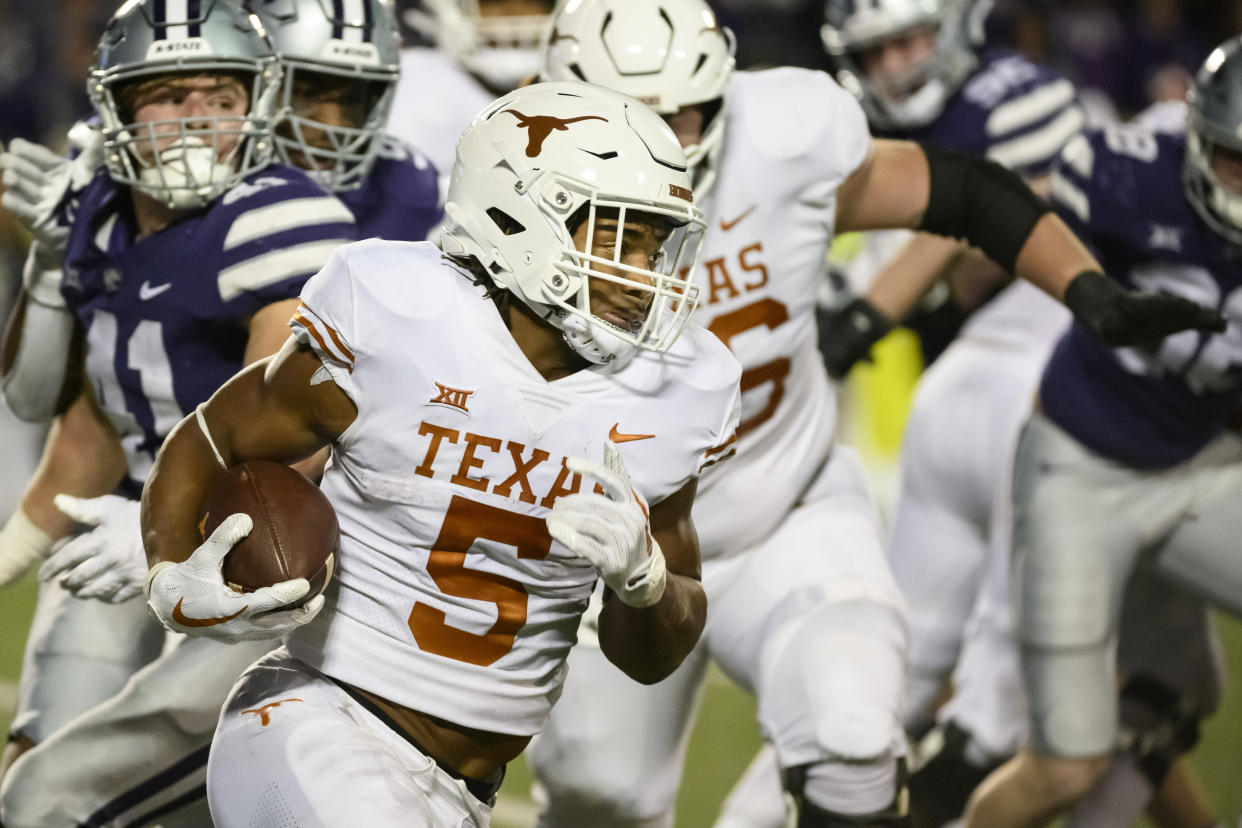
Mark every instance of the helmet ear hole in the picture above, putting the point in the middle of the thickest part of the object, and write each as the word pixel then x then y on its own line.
pixel 507 223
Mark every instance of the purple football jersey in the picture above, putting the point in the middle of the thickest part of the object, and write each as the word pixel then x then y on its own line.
pixel 166 315
pixel 400 198
pixel 1152 407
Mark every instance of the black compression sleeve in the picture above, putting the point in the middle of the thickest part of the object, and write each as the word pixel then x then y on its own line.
pixel 981 202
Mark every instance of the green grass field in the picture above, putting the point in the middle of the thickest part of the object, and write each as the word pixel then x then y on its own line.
pixel 725 737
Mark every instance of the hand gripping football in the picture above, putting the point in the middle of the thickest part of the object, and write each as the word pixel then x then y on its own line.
pixel 295 532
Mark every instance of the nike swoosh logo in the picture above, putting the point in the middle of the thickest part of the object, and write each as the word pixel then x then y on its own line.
pixel 726 226
pixel 618 437
pixel 186 621
pixel 145 291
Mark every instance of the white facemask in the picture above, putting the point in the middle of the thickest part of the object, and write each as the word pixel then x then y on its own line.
pixel 187 174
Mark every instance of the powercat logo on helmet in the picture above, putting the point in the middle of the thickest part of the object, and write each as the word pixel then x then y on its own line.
pixel 541 126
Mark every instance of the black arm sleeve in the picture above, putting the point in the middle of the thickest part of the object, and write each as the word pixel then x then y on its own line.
pixel 981 202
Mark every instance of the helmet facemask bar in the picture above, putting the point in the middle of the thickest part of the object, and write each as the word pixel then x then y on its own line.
pixel 183 162
pixel 1217 204
pixel 351 152
pixel 668 296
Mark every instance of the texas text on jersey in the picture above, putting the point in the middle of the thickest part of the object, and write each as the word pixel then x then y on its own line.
pixel 460 454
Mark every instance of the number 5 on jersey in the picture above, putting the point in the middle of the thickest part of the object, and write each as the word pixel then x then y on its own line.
pixel 466 522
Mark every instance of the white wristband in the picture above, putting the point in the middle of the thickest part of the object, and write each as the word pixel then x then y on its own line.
pixel 22 544
pixel 646 587
pixel 155 570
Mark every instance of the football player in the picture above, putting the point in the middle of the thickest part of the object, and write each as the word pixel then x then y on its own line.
pixel 804 612
pixel 482 49
pixel 468 385
pixel 1140 431
pixel 921 72
pixel 340 70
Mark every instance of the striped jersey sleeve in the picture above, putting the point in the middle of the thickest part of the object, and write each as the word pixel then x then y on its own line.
pixel 1026 113
pixel 324 319
pixel 278 229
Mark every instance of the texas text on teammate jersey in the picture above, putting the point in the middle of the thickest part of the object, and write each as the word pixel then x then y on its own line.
pixel 400 198
pixel 1121 190
pixel 770 222
pixel 165 315
pixel 452 598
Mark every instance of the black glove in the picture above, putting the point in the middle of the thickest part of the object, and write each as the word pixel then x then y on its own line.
pixel 1121 317
pixel 846 334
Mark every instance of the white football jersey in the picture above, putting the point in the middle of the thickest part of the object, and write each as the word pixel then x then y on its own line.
pixel 435 100
pixel 792 136
pixel 451 598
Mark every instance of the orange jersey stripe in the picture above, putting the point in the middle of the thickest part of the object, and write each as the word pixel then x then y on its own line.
pixel 323 345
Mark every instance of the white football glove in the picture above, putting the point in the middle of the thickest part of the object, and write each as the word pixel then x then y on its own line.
pixel 36 182
pixel 612 530
pixel 107 562
pixel 22 545
pixel 192 598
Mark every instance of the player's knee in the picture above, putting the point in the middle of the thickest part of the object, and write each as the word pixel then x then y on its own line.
pixel 848 795
pixel 840 671
pixel 1062 781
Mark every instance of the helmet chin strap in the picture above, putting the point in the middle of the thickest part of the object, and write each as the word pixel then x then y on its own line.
pixel 502 68
pixel 920 107
pixel 186 175
pixel 595 342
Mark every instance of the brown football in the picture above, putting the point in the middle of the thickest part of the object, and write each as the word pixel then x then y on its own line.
pixel 295 532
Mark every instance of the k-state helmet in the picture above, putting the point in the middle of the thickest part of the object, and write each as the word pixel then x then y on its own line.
pixel 502 50
pixel 852 26
pixel 1214 120
pixel 184 163
pixel 666 53
pixel 541 161
pixel 350 40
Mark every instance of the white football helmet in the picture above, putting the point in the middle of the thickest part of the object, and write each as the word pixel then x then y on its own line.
pixel 667 53
pixel 851 26
pixel 348 40
pixel 148 38
pixel 1214 119
pixel 539 162
pixel 501 50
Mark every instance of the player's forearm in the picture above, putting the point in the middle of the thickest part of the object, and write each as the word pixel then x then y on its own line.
pixel 173 497
pixel 38 345
pixel 81 457
pixel 904 280
pixel 649 644
pixel 1052 256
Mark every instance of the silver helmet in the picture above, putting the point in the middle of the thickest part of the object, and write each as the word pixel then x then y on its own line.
pixel 918 95
pixel 1214 120
pixel 183 162
pixel 348 50
pixel 502 50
